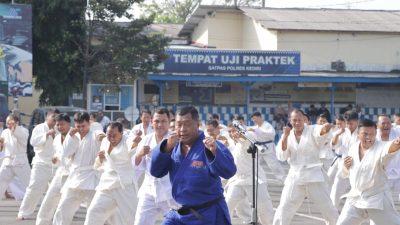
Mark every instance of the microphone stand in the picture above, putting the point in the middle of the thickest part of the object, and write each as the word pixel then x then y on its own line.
pixel 252 150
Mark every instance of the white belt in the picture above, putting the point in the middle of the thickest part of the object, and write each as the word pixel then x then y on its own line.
pixel 308 166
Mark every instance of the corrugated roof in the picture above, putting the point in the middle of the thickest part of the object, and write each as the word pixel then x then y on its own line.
pixel 326 19
pixel 306 19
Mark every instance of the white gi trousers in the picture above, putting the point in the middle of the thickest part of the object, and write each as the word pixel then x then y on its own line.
pixel 51 200
pixel 69 203
pixel 340 187
pixel 148 210
pixel 8 172
pixel 41 175
pixel 236 193
pixel 106 202
pixel 352 215
pixel 293 196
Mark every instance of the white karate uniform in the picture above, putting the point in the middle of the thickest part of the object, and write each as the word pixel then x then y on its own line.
pixel 239 187
pixel 369 197
pixel 53 194
pixel 116 189
pixel 15 162
pixel 326 155
pixel 341 184
pixel 140 127
pixel 393 168
pixel 155 194
pixel 83 178
pixel 42 169
pixel 264 133
pixel 305 178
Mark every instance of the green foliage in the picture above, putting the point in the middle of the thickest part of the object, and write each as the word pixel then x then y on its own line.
pixel 57 26
pixel 169 11
pixel 117 53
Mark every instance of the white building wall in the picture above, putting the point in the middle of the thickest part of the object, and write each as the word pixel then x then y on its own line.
pixel 256 37
pixel 359 51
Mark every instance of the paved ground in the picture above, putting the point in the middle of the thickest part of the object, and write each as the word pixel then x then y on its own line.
pixel 307 215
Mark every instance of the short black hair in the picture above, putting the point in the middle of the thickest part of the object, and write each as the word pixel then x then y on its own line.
pixel 215 116
pixel 239 117
pixel 94 115
pixel 145 111
pixel 162 111
pixel 189 109
pixel 350 115
pixel 117 125
pixel 323 115
pixel 256 114
pixel 384 115
pixel 366 123
pixel 213 123
pixel 340 117
pixel 63 117
pixel 81 117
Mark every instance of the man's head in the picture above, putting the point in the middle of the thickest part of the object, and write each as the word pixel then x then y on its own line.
pixel 187 124
pixel 161 121
pixel 214 116
pixel 212 128
pixel 351 118
pixel 322 119
pixel 93 117
pixel 340 122
pixel 81 120
pixel 145 117
pixel 240 118
pixel 257 118
pixel 12 121
pixel 367 133
pixel 63 123
pixel 384 124
pixel 51 118
pixel 297 120
pixel 396 119
pixel 114 133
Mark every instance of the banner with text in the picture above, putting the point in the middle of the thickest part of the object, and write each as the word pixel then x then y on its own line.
pixel 231 61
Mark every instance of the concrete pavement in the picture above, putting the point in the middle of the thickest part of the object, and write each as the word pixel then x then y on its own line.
pixel 306 215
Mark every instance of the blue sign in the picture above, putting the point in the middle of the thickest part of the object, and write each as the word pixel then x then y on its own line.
pixel 231 61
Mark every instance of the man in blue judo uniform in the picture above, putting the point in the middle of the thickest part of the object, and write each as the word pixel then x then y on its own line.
pixel 195 164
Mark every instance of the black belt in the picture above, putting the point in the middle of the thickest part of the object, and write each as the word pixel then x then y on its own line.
pixel 184 210
pixel 336 158
pixel 263 143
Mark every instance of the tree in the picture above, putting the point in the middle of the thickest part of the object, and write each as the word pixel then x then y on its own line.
pixel 169 11
pixel 116 53
pixel 177 11
pixel 57 26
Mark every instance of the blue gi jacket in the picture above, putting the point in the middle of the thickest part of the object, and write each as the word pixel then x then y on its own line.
pixel 195 178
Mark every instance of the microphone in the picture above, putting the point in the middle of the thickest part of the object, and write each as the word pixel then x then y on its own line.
pixel 240 128
pixel 236 124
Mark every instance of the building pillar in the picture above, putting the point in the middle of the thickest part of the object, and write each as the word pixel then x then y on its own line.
pixel 333 114
pixel 161 88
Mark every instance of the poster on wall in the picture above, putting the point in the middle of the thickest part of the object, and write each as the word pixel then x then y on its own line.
pixel 16 48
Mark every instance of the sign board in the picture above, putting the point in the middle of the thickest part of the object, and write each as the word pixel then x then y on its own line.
pixel 16 48
pixel 211 61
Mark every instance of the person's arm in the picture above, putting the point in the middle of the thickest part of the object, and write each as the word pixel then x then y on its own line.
pixel 39 136
pixel 219 158
pixel 395 145
pixel 266 131
pixel 347 163
pixel 21 135
pixel 71 143
pixel 161 161
pixel 336 140
pixel 282 152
